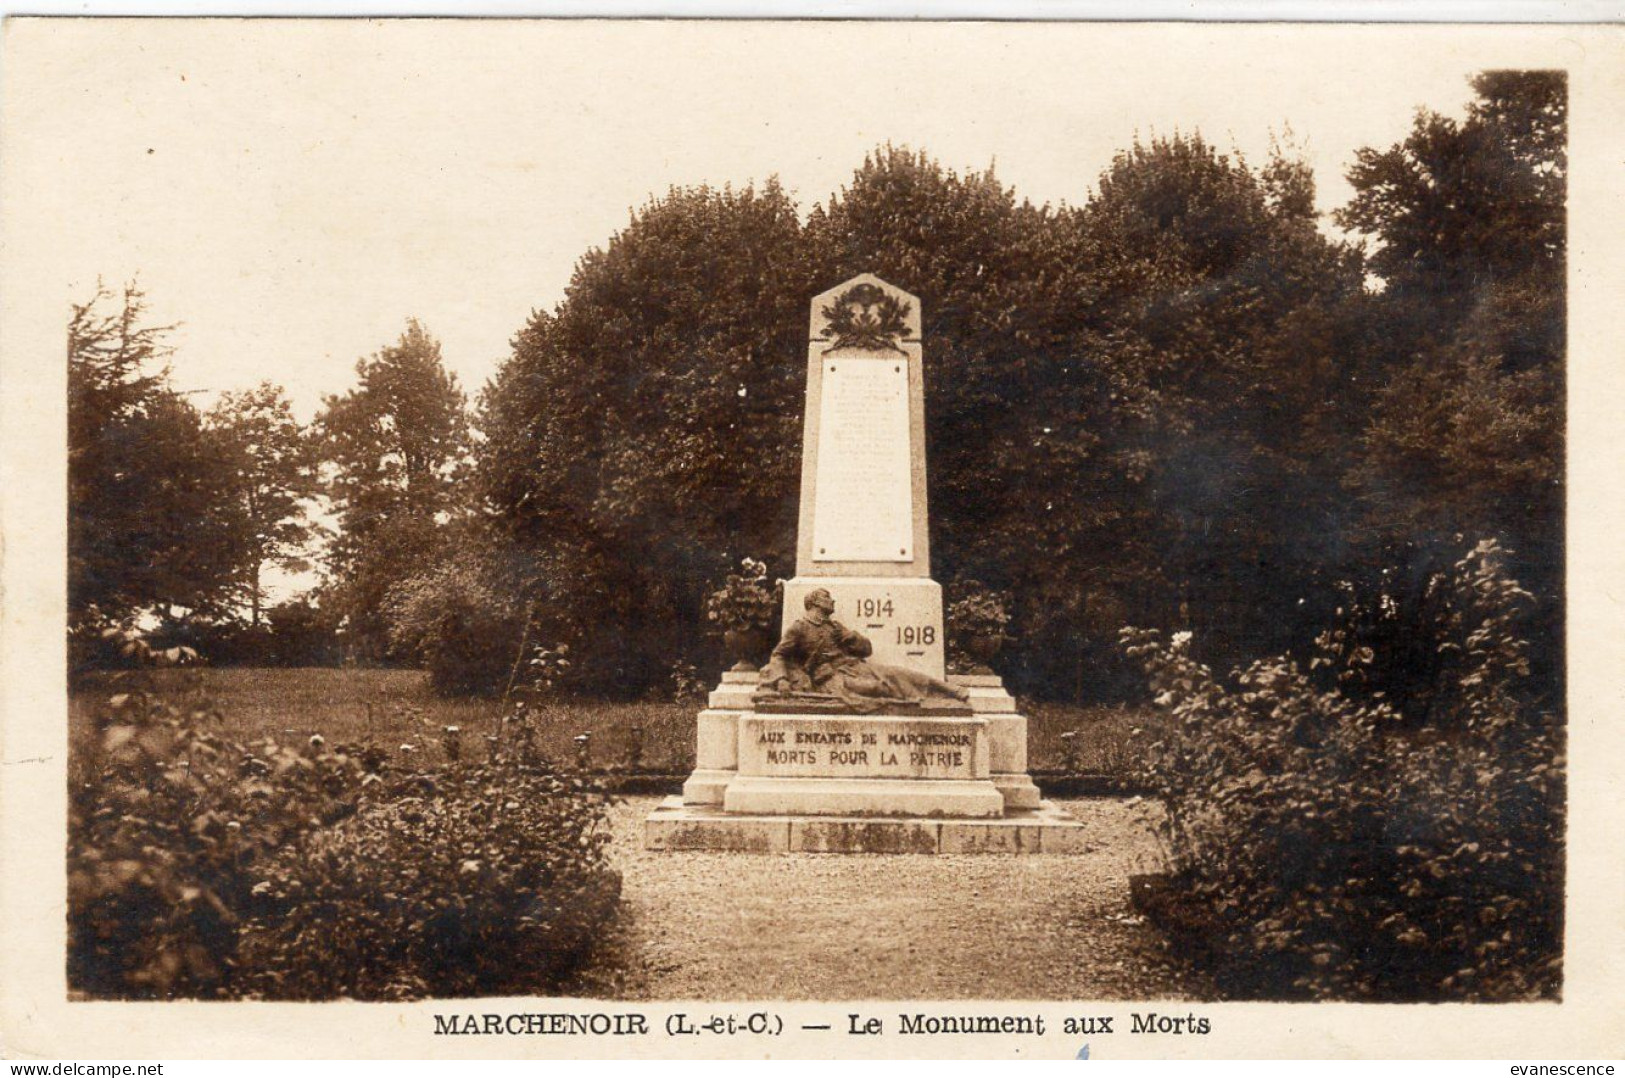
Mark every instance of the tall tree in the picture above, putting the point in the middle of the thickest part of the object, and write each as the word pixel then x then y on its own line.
pixel 1170 391
pixel 396 447
pixel 145 531
pixel 1466 435
pixel 1460 207
pixel 1233 323
pixel 647 429
pixel 270 462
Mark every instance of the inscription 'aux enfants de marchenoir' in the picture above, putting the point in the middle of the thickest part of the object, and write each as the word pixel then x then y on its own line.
pixel 902 753
pixel 923 750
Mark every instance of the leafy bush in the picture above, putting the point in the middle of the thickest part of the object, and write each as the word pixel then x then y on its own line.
pixel 1426 637
pixel 979 611
pixel 463 619
pixel 483 880
pixel 220 641
pixel 95 642
pixel 746 601
pixel 1324 848
pixel 167 819
pixel 687 686
pixel 202 867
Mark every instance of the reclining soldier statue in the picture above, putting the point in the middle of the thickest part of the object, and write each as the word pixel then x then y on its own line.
pixel 821 657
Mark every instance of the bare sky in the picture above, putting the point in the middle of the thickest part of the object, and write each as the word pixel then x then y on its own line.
pixel 294 192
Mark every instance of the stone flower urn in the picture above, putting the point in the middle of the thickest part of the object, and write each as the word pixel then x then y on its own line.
pixel 983 648
pixel 977 622
pixel 748 647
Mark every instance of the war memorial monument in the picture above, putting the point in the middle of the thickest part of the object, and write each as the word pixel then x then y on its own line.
pixel 853 738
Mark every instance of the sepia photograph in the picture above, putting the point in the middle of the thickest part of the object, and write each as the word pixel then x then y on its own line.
pixel 599 514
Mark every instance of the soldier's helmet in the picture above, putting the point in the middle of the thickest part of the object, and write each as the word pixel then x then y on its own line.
pixel 820 598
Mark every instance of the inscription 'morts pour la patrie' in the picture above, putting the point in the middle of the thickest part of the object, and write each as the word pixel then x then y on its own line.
pixel 863 507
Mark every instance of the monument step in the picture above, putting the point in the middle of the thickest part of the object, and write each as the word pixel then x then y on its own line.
pixel 741 698
pixel 992 702
pixel 1018 790
pixel 708 787
pixel 976 681
pixel 1045 830
pixel 751 795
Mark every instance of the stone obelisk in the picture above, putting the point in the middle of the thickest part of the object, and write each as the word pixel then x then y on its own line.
pixel 864 532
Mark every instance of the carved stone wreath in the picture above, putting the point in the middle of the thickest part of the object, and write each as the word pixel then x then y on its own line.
pixel 866 316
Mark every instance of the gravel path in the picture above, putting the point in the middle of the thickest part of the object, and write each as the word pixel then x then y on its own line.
pixel 876 926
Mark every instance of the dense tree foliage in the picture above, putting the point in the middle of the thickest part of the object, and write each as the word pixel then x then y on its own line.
pixel 394 449
pixel 1181 398
pixel 1464 435
pixel 1145 389
pixel 173 514
pixel 1179 402
pixel 648 431
pixel 1232 319
pixel 270 468
pixel 148 528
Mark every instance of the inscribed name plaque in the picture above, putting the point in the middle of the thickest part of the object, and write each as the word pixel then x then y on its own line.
pixel 863 506
pixel 869 746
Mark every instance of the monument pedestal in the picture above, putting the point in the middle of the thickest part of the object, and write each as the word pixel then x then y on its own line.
pixel 847 783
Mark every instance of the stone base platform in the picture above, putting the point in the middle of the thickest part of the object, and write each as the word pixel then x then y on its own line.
pixel 1045 829
pixel 768 795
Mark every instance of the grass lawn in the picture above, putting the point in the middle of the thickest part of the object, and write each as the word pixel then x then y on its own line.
pixel 392 708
